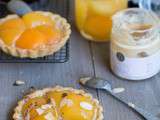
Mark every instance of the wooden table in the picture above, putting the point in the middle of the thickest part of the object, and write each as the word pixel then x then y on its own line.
pixel 86 59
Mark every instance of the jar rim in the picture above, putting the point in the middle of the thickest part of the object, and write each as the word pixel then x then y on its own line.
pixel 136 37
pixel 121 14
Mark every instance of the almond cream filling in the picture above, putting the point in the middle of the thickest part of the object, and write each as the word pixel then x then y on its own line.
pixel 97 109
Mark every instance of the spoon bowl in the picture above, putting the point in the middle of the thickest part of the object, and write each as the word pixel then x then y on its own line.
pixel 96 83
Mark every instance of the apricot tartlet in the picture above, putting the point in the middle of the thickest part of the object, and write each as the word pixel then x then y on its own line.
pixel 58 103
pixel 35 34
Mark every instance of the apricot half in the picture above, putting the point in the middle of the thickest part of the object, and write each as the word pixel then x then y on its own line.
pixel 34 19
pixel 13 23
pixel 10 35
pixel 76 107
pixel 31 39
pixel 51 34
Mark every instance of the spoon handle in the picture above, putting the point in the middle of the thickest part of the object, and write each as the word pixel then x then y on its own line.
pixel 145 114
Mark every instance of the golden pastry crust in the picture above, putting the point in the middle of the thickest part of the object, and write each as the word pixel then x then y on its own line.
pixel 98 113
pixel 61 23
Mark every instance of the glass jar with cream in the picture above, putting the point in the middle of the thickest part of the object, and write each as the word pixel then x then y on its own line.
pixel 135 44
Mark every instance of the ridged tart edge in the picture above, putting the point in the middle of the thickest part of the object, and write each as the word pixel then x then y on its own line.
pixel 98 115
pixel 25 53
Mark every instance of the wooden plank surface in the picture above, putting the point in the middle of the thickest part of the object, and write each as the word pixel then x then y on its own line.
pixel 44 75
pixel 86 59
pixel 143 93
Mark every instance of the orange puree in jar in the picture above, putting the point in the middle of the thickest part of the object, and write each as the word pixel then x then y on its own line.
pixel 93 17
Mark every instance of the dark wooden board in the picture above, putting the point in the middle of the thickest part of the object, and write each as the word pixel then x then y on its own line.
pixel 143 93
pixel 87 59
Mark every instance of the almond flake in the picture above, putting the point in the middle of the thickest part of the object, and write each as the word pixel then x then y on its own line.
pixel 19 83
pixel 86 106
pixel 53 102
pixel 50 116
pixel 118 90
pixel 45 107
pixel 131 105
pixel 40 111
pixel 67 102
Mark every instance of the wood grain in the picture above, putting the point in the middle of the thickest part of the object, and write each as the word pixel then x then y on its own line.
pixel 44 75
pixel 142 93
pixel 86 59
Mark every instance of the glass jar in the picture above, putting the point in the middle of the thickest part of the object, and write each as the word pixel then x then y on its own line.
pixel 93 17
pixel 135 44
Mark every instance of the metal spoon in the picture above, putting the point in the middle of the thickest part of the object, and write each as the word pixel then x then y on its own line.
pixel 102 84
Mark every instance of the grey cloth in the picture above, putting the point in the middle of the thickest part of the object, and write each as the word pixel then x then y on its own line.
pixel 153 5
pixel 19 7
pixel 154 1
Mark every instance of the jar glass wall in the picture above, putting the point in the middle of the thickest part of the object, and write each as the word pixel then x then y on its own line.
pixel 93 17
pixel 135 44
